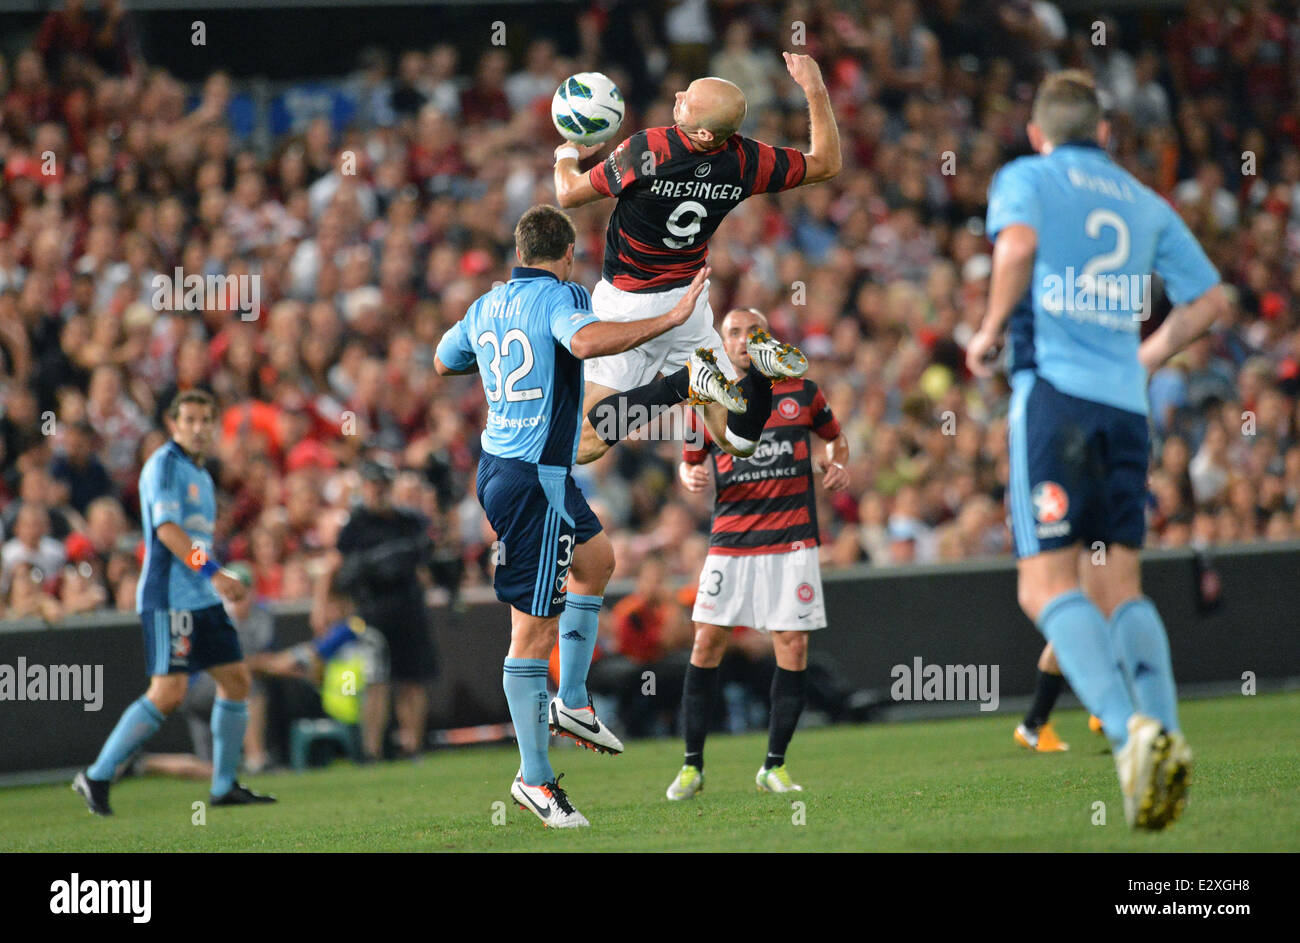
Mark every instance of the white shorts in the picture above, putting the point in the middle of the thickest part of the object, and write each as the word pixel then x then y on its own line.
pixel 771 592
pixel 666 353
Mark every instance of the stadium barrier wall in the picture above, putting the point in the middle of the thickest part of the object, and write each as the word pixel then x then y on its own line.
pixel 879 618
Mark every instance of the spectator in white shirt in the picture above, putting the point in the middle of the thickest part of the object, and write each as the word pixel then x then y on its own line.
pixel 31 544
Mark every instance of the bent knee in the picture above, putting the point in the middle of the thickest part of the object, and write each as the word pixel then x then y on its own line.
pixel 166 695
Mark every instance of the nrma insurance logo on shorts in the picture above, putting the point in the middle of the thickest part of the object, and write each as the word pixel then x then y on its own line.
pixel 1051 504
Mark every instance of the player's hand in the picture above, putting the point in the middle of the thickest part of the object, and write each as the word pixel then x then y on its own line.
pixel 981 352
pixel 834 475
pixel 682 311
pixel 228 586
pixel 695 478
pixel 584 150
pixel 805 71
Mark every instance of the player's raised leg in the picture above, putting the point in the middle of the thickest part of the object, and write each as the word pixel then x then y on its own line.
pixel 761 361
pixel 1035 732
pixel 699 701
pixel 789 687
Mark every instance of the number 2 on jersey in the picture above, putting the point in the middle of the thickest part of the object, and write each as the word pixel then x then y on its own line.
pixel 488 339
pixel 1106 262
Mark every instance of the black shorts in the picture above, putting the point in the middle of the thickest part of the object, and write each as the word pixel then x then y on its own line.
pixel 1078 469
pixel 188 640
pixel 539 517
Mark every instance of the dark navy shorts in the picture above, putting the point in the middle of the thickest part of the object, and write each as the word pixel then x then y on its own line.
pixel 1078 469
pixel 188 640
pixel 539 516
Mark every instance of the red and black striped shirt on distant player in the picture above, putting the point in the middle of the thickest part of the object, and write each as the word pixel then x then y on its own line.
pixel 671 199
pixel 766 503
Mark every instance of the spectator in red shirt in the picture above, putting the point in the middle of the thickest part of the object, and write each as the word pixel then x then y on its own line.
pixel 486 99
pixel 1198 50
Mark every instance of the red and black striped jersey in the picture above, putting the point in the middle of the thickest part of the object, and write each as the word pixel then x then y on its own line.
pixel 765 503
pixel 671 199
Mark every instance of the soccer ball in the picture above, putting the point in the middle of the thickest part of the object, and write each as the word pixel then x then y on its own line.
pixel 587 108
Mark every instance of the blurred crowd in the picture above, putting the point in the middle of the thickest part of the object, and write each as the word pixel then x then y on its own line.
pixel 371 241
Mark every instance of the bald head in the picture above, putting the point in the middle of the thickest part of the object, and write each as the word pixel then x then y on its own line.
pixel 710 111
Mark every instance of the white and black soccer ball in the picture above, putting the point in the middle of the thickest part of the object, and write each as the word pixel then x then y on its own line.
pixel 587 108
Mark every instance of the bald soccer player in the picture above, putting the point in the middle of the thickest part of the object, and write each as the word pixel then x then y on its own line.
pixel 673 187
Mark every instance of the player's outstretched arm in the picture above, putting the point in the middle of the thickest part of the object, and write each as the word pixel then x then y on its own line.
pixel 1183 325
pixel 1013 265
pixel 602 338
pixel 823 157
pixel 572 186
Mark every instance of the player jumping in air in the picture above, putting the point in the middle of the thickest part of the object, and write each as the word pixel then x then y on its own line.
pixel 673 188
pixel 762 569
pixel 1076 239
pixel 527 339
pixel 186 628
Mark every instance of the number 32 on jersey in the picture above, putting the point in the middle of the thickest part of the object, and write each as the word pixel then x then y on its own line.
pixel 500 347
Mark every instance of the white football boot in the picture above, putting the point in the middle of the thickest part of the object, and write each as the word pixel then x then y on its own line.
pixel 687 785
pixel 776 779
pixel 548 802
pixel 773 359
pixel 583 726
pixel 710 385
pixel 1172 778
pixel 1151 778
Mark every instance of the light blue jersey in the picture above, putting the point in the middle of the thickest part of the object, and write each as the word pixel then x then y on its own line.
pixel 519 335
pixel 1101 234
pixel 174 489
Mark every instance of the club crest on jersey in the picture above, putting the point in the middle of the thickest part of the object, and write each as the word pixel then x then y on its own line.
pixel 1051 504
pixel 787 408
pixel 194 491
pixel 805 592
pixel 703 170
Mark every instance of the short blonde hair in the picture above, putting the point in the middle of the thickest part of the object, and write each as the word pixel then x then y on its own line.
pixel 1067 108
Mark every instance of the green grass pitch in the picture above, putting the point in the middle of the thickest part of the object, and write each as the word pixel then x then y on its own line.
pixel 953 785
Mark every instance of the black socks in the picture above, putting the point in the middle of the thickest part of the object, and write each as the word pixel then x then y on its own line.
pixel 1046 692
pixel 620 414
pixel 758 395
pixel 699 695
pixel 788 696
